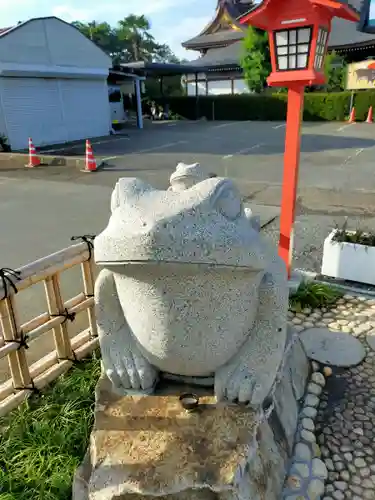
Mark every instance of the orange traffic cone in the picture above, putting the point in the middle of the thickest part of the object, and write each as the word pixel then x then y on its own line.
pixel 370 116
pixel 90 159
pixel 34 160
pixel 352 116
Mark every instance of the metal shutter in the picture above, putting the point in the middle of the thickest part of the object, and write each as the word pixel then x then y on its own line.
pixel 86 108
pixel 32 108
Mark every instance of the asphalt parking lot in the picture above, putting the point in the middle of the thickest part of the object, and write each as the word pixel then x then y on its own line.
pixel 336 177
pixel 248 151
pixel 42 208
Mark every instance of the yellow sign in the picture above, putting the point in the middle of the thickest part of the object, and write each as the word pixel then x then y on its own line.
pixel 361 75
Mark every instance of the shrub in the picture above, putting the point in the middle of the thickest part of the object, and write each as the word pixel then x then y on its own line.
pixel 362 101
pixel 318 106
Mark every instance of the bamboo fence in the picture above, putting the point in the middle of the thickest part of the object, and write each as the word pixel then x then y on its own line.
pixel 24 379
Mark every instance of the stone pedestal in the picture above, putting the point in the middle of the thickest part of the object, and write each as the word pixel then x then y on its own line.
pixel 145 447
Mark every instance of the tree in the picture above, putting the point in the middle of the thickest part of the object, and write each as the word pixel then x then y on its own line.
pixel 133 31
pixel 255 60
pixel 335 72
pixel 129 41
pixel 100 33
pixel 163 53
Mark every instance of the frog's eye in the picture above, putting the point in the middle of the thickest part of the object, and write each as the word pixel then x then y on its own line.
pixel 229 203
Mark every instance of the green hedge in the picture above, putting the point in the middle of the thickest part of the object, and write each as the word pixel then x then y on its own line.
pixel 318 106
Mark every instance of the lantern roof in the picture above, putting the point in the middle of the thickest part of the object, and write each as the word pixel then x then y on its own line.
pixel 260 16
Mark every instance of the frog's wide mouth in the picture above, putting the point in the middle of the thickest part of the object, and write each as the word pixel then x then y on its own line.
pixel 176 265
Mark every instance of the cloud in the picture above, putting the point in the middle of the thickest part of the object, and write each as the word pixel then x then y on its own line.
pixel 163 14
pixel 110 11
pixel 180 32
pixel 71 14
pixel 164 30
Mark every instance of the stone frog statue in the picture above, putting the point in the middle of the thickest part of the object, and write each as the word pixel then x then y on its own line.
pixel 190 289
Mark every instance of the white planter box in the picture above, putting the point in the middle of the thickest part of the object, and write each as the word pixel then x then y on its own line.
pixel 348 261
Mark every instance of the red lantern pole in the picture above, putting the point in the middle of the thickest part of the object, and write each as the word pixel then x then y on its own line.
pixel 285 21
pixel 291 171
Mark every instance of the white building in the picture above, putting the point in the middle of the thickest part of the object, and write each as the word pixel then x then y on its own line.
pixel 53 84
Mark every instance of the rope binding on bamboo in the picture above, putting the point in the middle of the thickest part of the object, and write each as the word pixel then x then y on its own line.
pixel 66 315
pixel 8 277
pixel 88 239
pixel 22 341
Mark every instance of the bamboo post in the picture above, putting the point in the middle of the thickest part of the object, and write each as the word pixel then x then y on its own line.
pixel 56 307
pixel 17 360
pixel 88 284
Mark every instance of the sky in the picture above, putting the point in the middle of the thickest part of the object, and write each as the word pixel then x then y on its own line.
pixel 172 21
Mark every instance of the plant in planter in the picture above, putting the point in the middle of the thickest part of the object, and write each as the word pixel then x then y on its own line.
pixel 313 294
pixel 4 144
pixel 350 255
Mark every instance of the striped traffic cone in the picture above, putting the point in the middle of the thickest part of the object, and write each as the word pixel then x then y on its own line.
pixel 90 159
pixel 370 115
pixel 34 160
pixel 352 116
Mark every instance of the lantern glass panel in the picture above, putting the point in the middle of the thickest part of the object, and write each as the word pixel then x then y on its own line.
pixel 281 38
pixel 304 35
pixel 292 48
pixel 321 46
pixel 283 62
pixel 301 61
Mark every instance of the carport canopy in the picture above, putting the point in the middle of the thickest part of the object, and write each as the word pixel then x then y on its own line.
pixel 160 70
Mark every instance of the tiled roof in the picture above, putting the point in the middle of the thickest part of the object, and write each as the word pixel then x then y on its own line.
pixel 236 9
pixel 344 33
pixel 231 54
pixel 225 56
pixel 4 30
pixel 219 38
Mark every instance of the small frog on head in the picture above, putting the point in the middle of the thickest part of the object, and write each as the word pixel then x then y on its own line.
pixel 186 176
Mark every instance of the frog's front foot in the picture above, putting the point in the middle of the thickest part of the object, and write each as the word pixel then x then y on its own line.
pixel 237 383
pixel 122 360
pixel 125 366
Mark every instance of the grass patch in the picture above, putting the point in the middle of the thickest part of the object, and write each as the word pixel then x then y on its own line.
pixel 313 294
pixel 45 439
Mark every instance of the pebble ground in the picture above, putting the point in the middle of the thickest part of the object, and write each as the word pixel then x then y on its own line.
pixel 345 422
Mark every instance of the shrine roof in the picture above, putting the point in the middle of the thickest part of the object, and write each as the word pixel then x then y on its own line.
pixel 228 56
pixel 344 34
pixel 234 9
pixel 219 38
